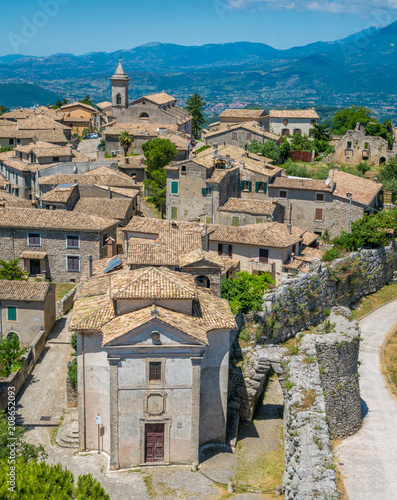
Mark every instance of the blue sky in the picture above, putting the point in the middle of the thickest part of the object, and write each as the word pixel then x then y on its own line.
pixel 43 27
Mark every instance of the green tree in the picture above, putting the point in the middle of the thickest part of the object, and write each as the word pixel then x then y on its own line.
pixel 10 270
pixel 301 142
pixel 347 118
pixel 388 175
pixel 292 168
pixel 245 292
pixel 195 106
pixel 3 110
pixel 363 167
pixel 321 132
pixel 267 149
pixel 84 132
pixel 158 153
pixel 59 103
pixel 87 100
pixel 125 141
pixel 10 355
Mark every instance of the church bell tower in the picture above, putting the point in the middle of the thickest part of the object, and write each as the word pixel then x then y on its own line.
pixel 120 83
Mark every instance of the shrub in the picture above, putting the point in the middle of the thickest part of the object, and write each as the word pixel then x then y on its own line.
pixel 331 254
pixel 245 292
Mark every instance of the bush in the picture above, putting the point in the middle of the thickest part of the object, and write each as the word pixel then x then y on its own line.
pixel 203 148
pixel 363 167
pixel 245 292
pixel 292 168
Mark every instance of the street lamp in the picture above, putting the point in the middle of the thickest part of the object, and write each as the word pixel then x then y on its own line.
pixel 350 211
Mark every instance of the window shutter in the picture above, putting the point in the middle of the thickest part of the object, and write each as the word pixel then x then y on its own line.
pixel 230 251
pixel 319 214
pixel 256 187
pixel 174 187
pixel 265 187
pixel 242 185
pixel 12 314
pixel 249 185
pixel 204 191
pixel 219 248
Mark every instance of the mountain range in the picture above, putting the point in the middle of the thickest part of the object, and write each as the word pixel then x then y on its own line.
pixel 358 69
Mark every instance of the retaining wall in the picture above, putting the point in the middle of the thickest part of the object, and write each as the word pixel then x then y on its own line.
pixel 65 303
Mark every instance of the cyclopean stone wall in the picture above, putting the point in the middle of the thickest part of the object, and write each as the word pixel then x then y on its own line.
pixel 307 299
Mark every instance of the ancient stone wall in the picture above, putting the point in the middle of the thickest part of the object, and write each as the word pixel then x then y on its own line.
pixel 307 299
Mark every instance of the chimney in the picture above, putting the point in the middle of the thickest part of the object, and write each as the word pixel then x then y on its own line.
pixel 109 193
pixel 89 259
pixel 289 228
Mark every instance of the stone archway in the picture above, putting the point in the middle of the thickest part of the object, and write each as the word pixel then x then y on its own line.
pixel 203 281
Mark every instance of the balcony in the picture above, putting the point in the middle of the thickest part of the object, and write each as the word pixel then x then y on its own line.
pixel 259 265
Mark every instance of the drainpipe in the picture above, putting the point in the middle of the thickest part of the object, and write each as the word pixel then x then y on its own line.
pixel 83 377
pixel 13 246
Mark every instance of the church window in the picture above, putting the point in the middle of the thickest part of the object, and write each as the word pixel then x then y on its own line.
pixel 144 116
pixel 118 99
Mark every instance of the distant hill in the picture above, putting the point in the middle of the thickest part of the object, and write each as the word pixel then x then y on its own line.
pixel 13 95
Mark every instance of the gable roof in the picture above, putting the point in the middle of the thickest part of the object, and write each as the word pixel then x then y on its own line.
pixel 197 256
pixel 294 113
pixel 255 207
pixel 160 98
pixel 99 176
pixel 60 194
pixel 11 200
pixel 40 122
pixel 66 107
pixel 27 291
pixel 362 190
pixel 301 184
pixel 44 149
pixel 243 113
pixel 249 126
pixel 114 208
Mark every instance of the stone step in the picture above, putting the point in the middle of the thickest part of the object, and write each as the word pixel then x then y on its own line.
pixel 68 435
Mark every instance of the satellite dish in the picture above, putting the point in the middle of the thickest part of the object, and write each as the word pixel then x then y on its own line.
pixel 328 181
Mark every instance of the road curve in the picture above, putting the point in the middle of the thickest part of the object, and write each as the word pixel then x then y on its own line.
pixel 369 458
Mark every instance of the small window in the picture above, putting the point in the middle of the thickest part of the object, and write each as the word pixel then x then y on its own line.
pixel 34 240
pixel 104 238
pixel 234 188
pixel 73 263
pixel 55 159
pixel 72 241
pixel 174 187
pixel 259 221
pixel 183 168
pixel 285 132
pixel 297 131
pixel 319 214
pixel 225 250
pixel 11 142
pixel 118 99
pixel 248 136
pixel 235 221
pixel 208 220
pixel 206 191
pixel 11 313
pixel 144 117
pixel 246 185
pixel 174 213
pixel 234 135
pixel 283 194
pixel 155 372
pixel 319 196
pixel 349 145
pixel 261 187
pixel 366 145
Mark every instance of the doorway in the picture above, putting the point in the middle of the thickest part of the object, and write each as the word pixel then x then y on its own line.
pixel 154 443
pixel 34 267
pixel 263 255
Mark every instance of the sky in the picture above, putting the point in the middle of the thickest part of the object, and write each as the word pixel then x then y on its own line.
pixel 44 27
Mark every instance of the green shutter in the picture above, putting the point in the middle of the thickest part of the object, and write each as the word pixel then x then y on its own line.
pixel 235 221
pixel 12 313
pixel 249 186
pixel 242 185
pixel 204 191
pixel 174 187
pixel 265 187
pixel 256 187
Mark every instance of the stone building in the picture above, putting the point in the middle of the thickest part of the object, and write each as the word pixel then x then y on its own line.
pixel 357 146
pixel 233 116
pixel 199 187
pixel 238 134
pixel 240 212
pixel 291 122
pixel 54 242
pixel 79 116
pixel 26 308
pixel 319 205
pixel 134 166
pixel 152 363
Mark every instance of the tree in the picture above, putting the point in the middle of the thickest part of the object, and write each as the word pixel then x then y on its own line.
pixel 87 100
pixel 363 167
pixel 10 355
pixel 245 292
pixel 267 149
pixel 10 270
pixel 3 110
pixel 158 153
pixel 59 103
pixel 84 132
pixel 347 118
pixel 388 175
pixel 301 142
pixel 125 141
pixel 195 106
pixel 321 132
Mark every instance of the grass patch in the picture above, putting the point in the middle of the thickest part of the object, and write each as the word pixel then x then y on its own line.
pixel 152 207
pixel 340 485
pixel 390 362
pixel 308 399
pixel 61 289
pixel 149 485
pixel 371 302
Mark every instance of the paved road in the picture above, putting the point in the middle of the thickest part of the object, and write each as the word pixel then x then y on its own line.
pixel 369 457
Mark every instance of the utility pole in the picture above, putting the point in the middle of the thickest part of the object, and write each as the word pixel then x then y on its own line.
pixel 350 211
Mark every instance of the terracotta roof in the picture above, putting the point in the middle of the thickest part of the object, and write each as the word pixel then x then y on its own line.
pixel 363 190
pixel 58 195
pixel 103 105
pixel 98 266
pixel 160 98
pixel 99 176
pixel 23 113
pixel 132 161
pixel 165 250
pixel 294 113
pixel 250 126
pixel 33 255
pixel 52 219
pixel 113 208
pixel 255 207
pixel 181 142
pixel 44 149
pixel 153 226
pixel 78 104
pixel 27 291
pixel 3 181
pixel 11 200
pixel 304 184
pixel 40 123
pixel 198 256
pixel 127 192
pixel 243 113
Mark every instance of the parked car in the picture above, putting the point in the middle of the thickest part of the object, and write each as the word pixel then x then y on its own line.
pixel 94 135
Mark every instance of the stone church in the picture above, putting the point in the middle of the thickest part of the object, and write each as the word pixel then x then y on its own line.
pixel 154 115
pixel 153 362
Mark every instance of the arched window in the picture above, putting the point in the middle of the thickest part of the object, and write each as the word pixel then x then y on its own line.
pixel 144 116
pixel 118 99
pixel 11 335
pixel 203 281
pixel 382 160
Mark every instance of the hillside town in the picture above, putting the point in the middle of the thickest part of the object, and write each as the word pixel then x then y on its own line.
pixel 179 297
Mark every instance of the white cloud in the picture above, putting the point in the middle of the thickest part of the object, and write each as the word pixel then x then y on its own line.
pixel 332 6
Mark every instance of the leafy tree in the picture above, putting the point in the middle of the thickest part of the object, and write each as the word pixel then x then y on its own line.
pixel 84 132
pixel 59 103
pixel 388 175
pixel 363 167
pixel 3 110
pixel 245 292
pixel 268 149
pixel 292 168
pixel 285 148
pixel 87 100
pixel 10 270
pixel 321 132
pixel 125 141
pixel 102 144
pixel 5 149
pixel 158 153
pixel 10 355
pixel 23 451
pixel 347 118
pixel 301 142
pixel 195 106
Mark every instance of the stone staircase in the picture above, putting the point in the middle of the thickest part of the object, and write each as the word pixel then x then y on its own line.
pixel 68 435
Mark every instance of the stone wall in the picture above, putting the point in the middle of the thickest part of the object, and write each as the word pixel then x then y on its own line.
pixel 65 303
pixel 307 299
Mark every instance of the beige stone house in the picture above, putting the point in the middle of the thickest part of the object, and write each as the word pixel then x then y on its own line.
pixel 291 122
pixel 357 146
pixel 318 205
pixel 153 362
pixel 233 116
pixel 241 211
pixel 79 116
pixel 26 308
pixel 238 134
pixel 54 242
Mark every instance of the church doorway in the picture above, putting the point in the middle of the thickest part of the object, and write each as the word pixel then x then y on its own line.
pixel 154 443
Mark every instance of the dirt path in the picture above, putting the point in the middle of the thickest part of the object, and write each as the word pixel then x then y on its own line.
pixel 369 458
